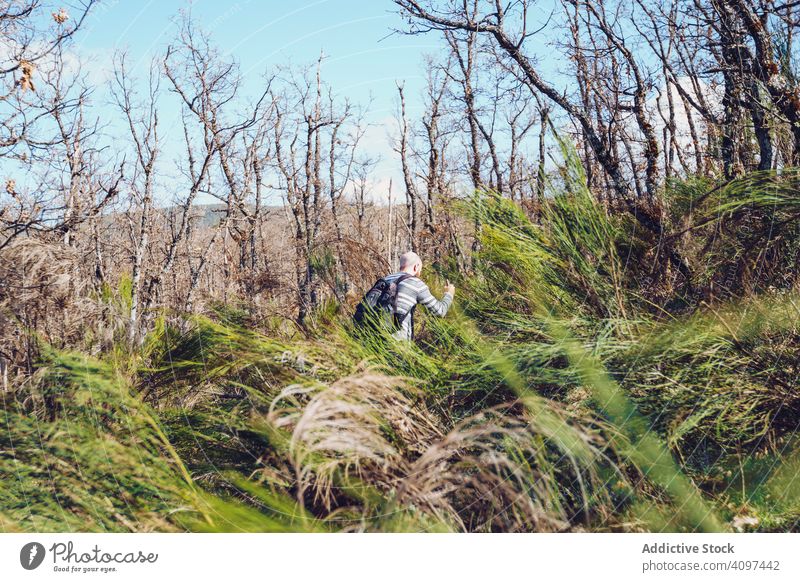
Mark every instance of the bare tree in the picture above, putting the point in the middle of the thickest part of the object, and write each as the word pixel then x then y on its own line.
pixel 494 24
pixel 411 193
pixel 208 86
pixel 505 26
pixel 27 42
pixel 42 111
pixel 316 139
pixel 141 115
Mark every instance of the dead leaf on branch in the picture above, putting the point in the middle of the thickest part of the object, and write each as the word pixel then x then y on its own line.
pixel 25 81
pixel 61 16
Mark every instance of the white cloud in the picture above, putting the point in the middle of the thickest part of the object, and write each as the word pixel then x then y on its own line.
pixel 377 143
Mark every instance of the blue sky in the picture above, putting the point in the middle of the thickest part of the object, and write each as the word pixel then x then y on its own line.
pixel 364 58
pixel 264 33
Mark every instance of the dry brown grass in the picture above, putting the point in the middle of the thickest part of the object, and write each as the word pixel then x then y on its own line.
pixel 498 470
pixel 45 287
pixel 366 427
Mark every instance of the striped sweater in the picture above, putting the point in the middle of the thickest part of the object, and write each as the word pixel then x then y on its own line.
pixel 410 292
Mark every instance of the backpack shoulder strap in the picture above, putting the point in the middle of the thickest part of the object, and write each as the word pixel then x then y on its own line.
pixel 399 280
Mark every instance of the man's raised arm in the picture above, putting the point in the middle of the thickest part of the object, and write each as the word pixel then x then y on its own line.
pixel 434 305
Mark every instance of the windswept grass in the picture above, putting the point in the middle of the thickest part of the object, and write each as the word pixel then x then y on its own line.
pixel 556 396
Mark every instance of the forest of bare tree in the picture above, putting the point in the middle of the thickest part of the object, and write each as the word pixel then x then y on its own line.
pixel 611 185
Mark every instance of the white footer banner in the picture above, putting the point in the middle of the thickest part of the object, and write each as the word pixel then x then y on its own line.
pixel 389 557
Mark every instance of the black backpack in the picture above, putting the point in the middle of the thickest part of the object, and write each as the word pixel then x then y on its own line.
pixel 379 305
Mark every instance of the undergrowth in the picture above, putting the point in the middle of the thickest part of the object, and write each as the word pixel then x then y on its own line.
pixel 556 396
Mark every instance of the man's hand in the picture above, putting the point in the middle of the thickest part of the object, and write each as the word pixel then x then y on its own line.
pixel 450 288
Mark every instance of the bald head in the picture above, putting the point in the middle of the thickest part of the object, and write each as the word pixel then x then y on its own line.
pixel 410 263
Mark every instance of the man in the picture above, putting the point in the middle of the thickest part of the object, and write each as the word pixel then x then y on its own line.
pixel 413 290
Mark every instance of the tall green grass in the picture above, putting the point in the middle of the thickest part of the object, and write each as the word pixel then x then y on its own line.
pixel 554 397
